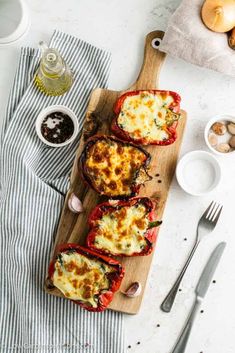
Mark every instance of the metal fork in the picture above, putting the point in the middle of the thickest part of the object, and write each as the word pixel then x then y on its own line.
pixel 205 225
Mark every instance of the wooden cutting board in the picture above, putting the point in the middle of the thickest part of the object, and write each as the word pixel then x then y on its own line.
pixel 72 227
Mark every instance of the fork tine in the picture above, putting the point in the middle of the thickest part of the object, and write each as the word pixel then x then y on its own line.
pixel 217 216
pixel 207 210
pixel 215 210
pixel 211 211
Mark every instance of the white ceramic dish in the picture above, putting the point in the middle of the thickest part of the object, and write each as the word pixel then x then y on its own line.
pixel 14 21
pixel 224 138
pixel 52 109
pixel 198 172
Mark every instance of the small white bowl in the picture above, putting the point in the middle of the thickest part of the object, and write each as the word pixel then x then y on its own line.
pixel 198 172
pixel 218 118
pixel 51 109
pixel 14 21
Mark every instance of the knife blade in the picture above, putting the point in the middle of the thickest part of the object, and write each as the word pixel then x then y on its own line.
pixel 201 289
pixel 209 270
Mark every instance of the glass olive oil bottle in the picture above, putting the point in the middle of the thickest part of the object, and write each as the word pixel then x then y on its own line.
pixel 53 76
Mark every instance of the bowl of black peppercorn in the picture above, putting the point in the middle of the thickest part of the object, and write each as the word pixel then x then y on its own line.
pixel 57 126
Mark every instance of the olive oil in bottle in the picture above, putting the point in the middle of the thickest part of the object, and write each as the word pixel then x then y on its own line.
pixel 53 76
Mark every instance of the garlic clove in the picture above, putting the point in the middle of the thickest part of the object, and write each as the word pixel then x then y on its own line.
pixel 134 290
pixel 232 142
pixel 223 148
pixel 74 204
pixel 231 128
pixel 213 140
pixel 219 128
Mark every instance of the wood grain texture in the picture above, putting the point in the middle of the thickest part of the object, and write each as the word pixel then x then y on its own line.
pixel 72 227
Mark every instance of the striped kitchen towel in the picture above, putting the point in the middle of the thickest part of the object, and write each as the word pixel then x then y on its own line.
pixel 34 180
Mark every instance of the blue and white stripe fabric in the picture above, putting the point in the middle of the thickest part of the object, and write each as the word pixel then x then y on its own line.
pixel 34 179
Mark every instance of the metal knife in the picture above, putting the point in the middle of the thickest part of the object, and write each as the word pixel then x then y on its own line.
pixel 201 289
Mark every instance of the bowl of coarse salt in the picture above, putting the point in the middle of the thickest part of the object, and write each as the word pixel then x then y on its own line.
pixel 198 173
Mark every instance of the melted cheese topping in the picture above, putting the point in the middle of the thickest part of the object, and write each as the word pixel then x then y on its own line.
pixel 122 231
pixel 112 166
pixel 144 116
pixel 81 278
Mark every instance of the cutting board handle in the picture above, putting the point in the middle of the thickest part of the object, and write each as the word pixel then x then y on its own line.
pixel 153 60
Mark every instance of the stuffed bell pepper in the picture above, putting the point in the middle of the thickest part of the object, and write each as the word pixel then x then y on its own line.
pixel 147 117
pixel 87 278
pixel 114 168
pixel 123 228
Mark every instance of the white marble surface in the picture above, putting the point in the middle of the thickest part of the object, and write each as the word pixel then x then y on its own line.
pixel 120 26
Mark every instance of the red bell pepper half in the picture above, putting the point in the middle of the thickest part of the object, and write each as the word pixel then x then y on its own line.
pixel 114 275
pixel 160 129
pixel 123 228
pixel 114 168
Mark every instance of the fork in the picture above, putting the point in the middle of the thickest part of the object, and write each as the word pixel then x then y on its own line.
pixel 205 225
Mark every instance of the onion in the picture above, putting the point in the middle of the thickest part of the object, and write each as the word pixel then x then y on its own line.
pixel 113 202
pixel 231 40
pixel 219 15
pixel 74 204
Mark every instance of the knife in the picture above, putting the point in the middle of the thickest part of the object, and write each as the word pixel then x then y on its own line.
pixel 201 289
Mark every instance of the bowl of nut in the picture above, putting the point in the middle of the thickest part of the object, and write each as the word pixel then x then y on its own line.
pixel 220 134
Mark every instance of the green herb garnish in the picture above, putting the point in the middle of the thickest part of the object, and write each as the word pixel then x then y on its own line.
pixel 154 224
pixel 60 259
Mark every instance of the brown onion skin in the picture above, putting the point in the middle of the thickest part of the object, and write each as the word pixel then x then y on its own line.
pixel 218 16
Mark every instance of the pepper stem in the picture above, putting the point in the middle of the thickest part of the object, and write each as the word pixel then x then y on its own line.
pixel 154 224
